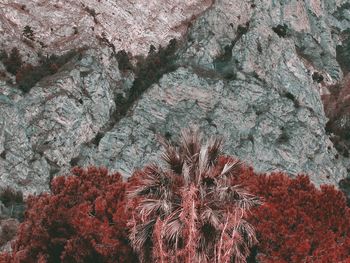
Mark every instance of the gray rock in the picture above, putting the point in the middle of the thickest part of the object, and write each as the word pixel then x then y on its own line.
pixel 43 130
pixel 242 78
pixel 244 72
pixel 262 126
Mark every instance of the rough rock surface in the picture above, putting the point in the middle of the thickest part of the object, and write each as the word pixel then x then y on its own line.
pixel 247 73
pixel 261 125
pixel 43 130
pixel 245 70
pixel 60 25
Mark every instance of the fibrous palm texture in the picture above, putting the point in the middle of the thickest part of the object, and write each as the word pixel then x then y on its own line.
pixel 191 211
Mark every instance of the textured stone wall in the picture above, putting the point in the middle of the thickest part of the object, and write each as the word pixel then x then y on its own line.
pixel 252 71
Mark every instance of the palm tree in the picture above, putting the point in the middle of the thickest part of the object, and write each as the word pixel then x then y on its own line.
pixel 191 211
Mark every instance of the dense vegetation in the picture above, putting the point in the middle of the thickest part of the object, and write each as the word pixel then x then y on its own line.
pixel 298 222
pixel 201 206
pixel 11 213
pixel 148 71
pixel 27 75
pixel 336 105
pixel 82 220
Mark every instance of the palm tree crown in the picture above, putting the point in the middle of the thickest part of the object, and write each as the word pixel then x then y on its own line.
pixel 190 210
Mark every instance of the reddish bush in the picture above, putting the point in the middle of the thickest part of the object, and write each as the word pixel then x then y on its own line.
pixel 9 196
pixel 23 71
pixel 191 211
pixel 13 62
pixel 27 75
pixel 337 109
pixel 11 204
pixel 298 222
pixel 8 229
pixel 83 220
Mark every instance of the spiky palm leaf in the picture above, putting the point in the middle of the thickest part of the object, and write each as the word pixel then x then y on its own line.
pixel 198 211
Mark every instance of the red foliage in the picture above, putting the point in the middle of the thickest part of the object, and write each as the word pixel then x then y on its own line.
pixel 193 210
pixel 13 62
pixel 23 71
pixel 298 222
pixel 337 110
pixel 83 220
pixel 5 258
pixel 8 229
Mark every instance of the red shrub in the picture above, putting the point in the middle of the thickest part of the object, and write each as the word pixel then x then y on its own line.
pixel 337 110
pixel 13 62
pixel 8 229
pixel 192 210
pixel 23 71
pixel 83 220
pixel 298 222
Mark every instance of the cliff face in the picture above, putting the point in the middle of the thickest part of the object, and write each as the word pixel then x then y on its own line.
pixel 253 71
pixel 60 25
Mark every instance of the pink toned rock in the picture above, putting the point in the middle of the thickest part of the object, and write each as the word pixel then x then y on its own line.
pixel 59 26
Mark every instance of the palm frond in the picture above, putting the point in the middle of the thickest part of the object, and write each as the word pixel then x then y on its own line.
pixel 173 227
pixel 231 168
pixel 203 160
pixel 173 159
pixel 154 183
pixel 214 149
pixel 248 232
pixel 238 196
pixel 161 207
pixel 141 233
pixel 190 143
pixel 211 216
pixel 244 199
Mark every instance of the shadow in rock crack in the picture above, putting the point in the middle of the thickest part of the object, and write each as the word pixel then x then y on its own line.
pixel 148 71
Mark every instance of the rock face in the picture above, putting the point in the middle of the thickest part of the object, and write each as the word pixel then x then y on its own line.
pixel 42 132
pixel 262 125
pixel 253 71
pixel 58 26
